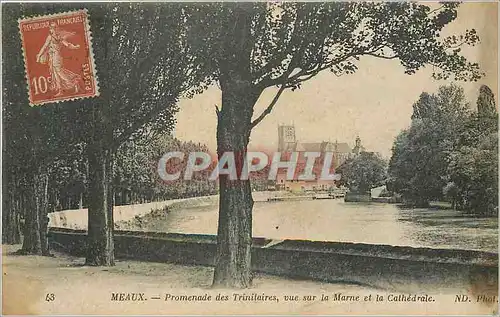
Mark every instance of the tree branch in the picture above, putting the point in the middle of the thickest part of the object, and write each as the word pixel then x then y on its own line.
pixel 276 59
pixel 435 10
pixel 140 90
pixel 269 108
pixel 452 47
pixel 313 72
pixel 381 56
pixel 137 124
pixel 217 112
pixel 295 79
pixel 150 113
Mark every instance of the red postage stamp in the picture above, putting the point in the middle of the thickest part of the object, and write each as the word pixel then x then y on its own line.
pixel 58 57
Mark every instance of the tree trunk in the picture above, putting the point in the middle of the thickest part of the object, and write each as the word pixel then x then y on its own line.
pixel 42 210
pixel 80 204
pixel 11 231
pixel 422 203
pixel 31 241
pixel 36 217
pixel 100 247
pixel 234 234
pixel 111 203
pixel 43 214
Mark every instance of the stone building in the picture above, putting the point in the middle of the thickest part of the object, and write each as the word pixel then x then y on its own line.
pixel 287 142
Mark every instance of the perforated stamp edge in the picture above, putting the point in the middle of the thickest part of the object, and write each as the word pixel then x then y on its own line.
pixel 88 36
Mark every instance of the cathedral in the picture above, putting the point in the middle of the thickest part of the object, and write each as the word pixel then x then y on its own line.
pixel 287 142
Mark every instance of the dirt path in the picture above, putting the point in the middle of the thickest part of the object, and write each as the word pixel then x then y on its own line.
pixel 29 281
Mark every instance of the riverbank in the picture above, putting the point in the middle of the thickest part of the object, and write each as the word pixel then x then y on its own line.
pixel 29 281
pixel 77 218
pixel 337 221
pixel 319 220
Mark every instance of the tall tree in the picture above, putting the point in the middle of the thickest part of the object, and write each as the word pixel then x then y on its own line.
pixel 145 64
pixel 486 101
pixel 418 166
pixel 473 164
pixel 253 46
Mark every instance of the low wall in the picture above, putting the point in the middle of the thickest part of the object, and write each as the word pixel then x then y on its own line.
pixel 78 218
pixel 382 266
pixel 356 197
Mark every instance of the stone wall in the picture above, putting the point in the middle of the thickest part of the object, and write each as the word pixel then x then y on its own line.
pixel 356 197
pixel 382 266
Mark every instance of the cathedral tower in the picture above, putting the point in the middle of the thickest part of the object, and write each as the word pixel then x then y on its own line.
pixel 286 138
pixel 358 148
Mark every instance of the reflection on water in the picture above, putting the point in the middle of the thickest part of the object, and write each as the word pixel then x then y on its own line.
pixel 334 220
pixel 449 229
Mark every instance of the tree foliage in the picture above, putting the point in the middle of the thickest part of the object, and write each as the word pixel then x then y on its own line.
pixel 147 64
pixel 486 102
pixel 289 43
pixel 420 154
pixel 473 165
pixel 363 172
pixel 136 178
pixel 448 152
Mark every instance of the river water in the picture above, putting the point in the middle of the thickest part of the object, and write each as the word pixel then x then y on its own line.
pixel 335 220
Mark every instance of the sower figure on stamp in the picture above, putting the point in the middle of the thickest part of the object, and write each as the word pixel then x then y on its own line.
pixel 62 78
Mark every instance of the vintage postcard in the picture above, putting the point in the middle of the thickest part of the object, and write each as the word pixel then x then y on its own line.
pixel 250 158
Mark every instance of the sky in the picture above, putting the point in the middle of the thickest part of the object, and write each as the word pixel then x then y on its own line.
pixel 374 103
